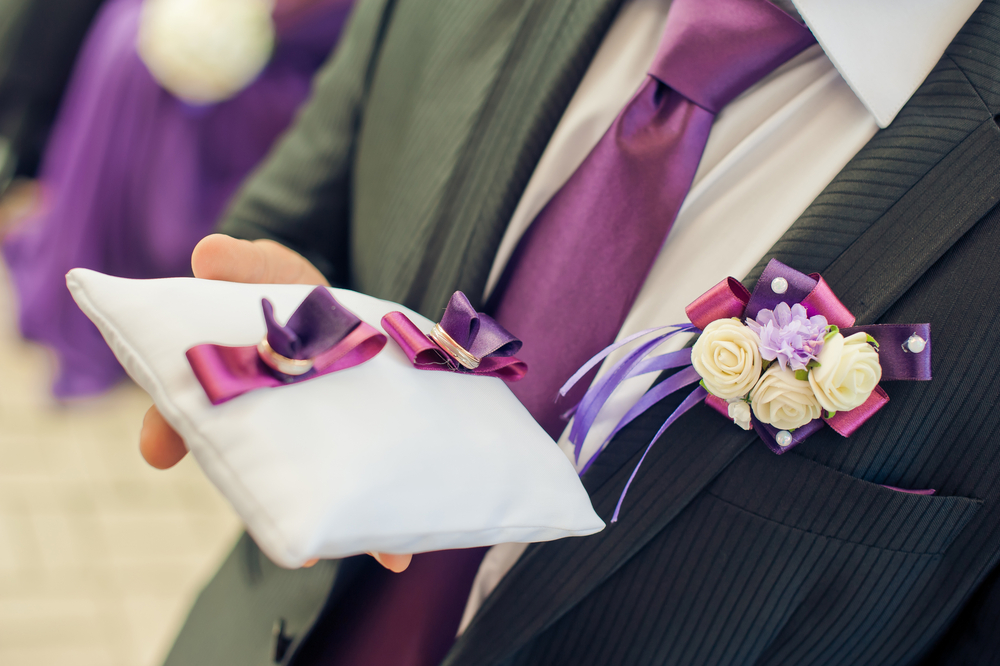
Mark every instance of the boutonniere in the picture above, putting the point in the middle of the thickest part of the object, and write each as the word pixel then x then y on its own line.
pixel 465 341
pixel 785 360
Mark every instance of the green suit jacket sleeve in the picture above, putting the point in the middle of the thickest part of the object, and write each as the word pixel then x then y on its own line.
pixel 300 195
pixel 401 173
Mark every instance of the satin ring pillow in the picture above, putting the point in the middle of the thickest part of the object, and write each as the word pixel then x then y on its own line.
pixel 377 457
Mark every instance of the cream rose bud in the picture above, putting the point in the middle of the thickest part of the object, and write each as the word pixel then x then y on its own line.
pixel 783 401
pixel 739 412
pixel 848 372
pixel 727 356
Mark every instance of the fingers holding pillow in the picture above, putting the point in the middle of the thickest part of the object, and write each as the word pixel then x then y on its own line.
pixel 159 444
pixel 394 563
pixel 221 257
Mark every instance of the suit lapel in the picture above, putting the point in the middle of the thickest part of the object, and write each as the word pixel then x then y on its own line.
pixel 944 112
pixel 913 191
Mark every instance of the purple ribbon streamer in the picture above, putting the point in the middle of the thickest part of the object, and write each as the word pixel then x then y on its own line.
pixel 598 394
pixel 693 399
pixel 674 382
pixel 607 351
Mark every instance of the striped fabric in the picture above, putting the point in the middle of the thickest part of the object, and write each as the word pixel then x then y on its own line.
pixel 888 235
pixel 398 181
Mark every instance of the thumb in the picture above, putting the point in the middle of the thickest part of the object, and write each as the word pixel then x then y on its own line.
pixel 221 257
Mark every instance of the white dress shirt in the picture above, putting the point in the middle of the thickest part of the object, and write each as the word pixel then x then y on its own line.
pixel 769 155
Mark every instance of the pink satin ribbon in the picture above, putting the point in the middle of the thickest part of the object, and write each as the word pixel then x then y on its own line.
pixel 725 300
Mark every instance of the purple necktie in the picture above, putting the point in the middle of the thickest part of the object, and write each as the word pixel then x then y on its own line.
pixel 577 271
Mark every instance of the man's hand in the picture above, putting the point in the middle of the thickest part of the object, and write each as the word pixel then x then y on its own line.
pixel 219 257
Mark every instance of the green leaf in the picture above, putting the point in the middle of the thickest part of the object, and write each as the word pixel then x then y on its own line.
pixel 830 415
pixel 813 364
pixel 831 331
pixel 873 342
pixel 802 375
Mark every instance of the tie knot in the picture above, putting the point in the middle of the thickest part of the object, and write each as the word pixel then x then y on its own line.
pixel 713 50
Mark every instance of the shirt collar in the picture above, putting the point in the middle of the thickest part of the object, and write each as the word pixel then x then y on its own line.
pixel 885 49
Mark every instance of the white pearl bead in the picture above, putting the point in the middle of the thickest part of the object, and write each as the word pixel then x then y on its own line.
pixel 779 285
pixel 784 438
pixel 915 343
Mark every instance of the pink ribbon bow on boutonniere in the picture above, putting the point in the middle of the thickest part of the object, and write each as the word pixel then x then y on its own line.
pixel 784 360
pixel 465 341
pixel 321 336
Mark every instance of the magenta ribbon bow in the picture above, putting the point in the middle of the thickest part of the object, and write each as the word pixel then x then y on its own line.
pixel 777 284
pixel 321 332
pixel 484 347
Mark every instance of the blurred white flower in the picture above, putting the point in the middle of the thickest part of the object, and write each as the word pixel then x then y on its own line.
pixel 205 51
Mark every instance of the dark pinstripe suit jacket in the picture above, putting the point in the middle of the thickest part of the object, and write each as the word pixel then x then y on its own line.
pixel 399 179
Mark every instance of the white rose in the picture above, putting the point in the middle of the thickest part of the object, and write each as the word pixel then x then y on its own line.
pixel 205 51
pixel 727 356
pixel 739 412
pixel 847 374
pixel 784 401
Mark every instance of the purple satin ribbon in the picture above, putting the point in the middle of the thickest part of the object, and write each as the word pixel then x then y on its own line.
pixel 320 329
pixel 777 284
pixel 477 333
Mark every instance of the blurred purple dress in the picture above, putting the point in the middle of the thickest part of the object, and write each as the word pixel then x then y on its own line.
pixel 133 178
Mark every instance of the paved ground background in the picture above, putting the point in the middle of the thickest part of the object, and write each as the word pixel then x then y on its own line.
pixel 100 555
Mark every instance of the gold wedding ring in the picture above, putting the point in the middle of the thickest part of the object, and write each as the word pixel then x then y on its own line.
pixel 286 366
pixel 453 349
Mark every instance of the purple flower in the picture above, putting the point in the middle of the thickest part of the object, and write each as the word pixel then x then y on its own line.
pixel 789 335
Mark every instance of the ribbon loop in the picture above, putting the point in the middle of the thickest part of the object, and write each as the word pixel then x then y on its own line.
pixel 727 299
pixel 845 423
pixel 778 284
pixel 478 334
pixel 822 300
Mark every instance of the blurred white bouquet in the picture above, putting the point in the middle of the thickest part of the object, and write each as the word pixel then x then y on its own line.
pixel 205 51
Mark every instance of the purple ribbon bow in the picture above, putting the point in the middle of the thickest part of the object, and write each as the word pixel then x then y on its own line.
pixel 465 341
pixel 321 336
pixel 898 357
